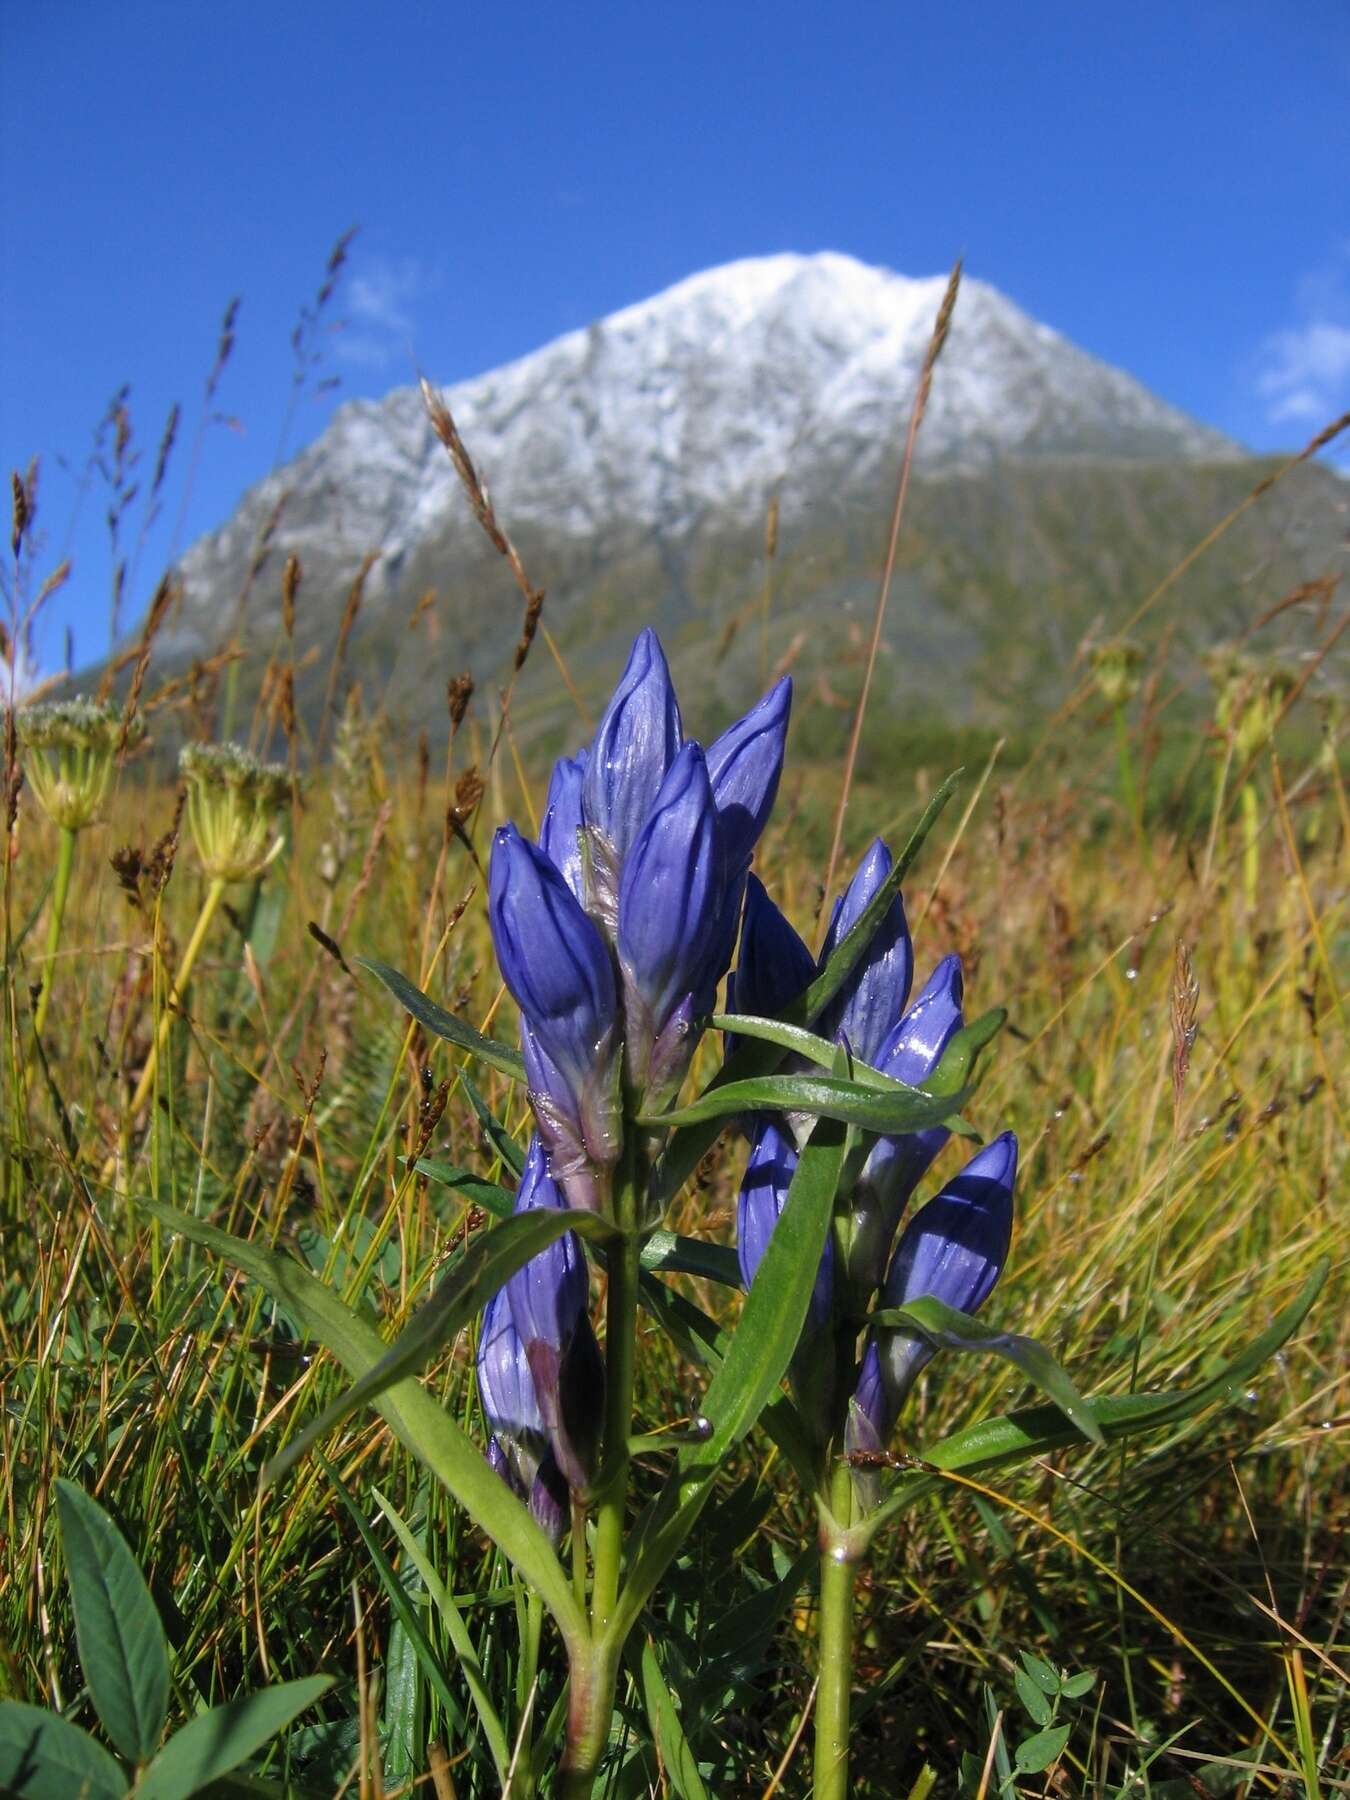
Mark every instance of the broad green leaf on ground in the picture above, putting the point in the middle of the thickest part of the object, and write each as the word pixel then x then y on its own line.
pixel 757 1358
pixel 486 1265
pixel 895 1109
pixel 1017 1437
pixel 117 1627
pixel 45 1757
pixel 677 1759
pixel 948 1329
pixel 444 1024
pixel 215 1742
pixel 419 1423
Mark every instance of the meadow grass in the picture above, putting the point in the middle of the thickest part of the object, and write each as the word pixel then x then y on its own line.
pixel 1201 1575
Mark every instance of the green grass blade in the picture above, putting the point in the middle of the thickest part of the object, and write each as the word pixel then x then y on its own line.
pixel 117 1627
pixel 45 1757
pixel 444 1024
pixel 677 1759
pixel 215 1742
pixel 416 1419
pixel 457 1631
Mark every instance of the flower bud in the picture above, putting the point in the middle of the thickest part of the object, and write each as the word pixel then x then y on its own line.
pixel 874 996
pixel 68 754
pixel 560 832
pixel 556 965
pixel 233 805
pixel 896 1165
pixel 517 1446
pixel 635 743
pixel 670 908
pixel 953 1250
pixel 774 964
pixel 759 1205
pixel 549 1298
pixel 744 765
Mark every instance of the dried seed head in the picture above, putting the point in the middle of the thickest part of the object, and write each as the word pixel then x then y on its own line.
pixel 1185 1003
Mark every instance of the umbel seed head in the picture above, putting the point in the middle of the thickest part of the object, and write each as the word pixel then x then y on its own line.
pixel 69 749
pixel 1115 668
pixel 233 802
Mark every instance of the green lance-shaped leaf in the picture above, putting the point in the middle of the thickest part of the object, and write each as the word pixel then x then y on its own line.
pixel 948 1329
pixel 756 1360
pixel 117 1627
pixel 1014 1438
pixel 45 1757
pixel 677 1759
pixel 215 1742
pixel 444 1024
pixel 666 1251
pixel 419 1423
pixel 895 1109
pixel 487 1265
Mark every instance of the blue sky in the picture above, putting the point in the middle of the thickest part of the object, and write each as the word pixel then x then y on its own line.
pixel 1167 184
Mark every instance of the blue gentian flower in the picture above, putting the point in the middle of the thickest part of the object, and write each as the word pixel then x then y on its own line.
pixel 953 1250
pixel 560 832
pixel 671 896
pixel 911 1052
pixel 874 995
pixel 518 1447
pixel 549 1298
pixel 557 966
pixel 744 765
pixel 636 741
pixel 774 965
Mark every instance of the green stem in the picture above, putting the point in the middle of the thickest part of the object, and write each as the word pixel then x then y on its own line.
pixel 838 1572
pixel 1251 844
pixel 591 1706
pixel 65 862
pixel 1129 787
pixel 213 898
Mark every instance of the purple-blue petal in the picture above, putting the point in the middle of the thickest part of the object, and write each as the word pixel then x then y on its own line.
pixel 559 832
pixel 672 889
pixel 774 965
pixel 638 738
pixel 552 957
pixel 763 1195
pixel 873 998
pixel 744 765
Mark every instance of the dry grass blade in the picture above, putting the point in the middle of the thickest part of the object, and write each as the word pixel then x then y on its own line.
pixel 1185 1004
pixel 443 424
pixel 941 327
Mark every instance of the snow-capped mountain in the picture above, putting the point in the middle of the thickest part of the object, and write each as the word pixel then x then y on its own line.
pixel 787 374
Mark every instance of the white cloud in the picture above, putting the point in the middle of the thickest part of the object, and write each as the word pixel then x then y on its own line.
pixel 380 304
pixel 1302 371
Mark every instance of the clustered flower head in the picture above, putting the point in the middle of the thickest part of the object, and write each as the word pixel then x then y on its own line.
pixel 233 803
pixel 953 1249
pixel 1249 695
pixel 1116 663
pixel 69 749
pixel 613 933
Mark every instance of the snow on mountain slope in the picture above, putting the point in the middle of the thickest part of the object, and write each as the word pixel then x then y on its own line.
pixel 783 373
